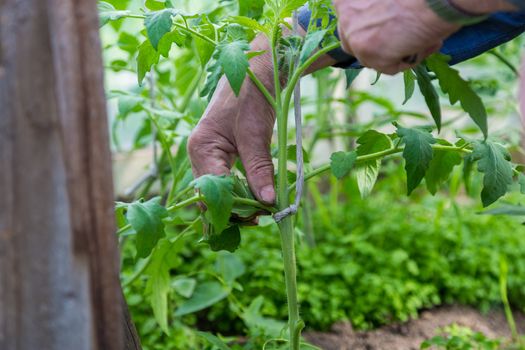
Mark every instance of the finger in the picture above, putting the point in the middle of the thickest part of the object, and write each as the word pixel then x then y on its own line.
pixel 255 156
pixel 209 152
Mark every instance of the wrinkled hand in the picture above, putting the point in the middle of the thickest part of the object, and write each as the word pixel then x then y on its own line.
pixel 383 33
pixel 238 126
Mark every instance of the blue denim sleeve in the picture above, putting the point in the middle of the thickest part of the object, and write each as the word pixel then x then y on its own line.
pixel 467 43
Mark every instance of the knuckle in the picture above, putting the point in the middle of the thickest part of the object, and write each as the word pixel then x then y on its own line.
pixel 260 166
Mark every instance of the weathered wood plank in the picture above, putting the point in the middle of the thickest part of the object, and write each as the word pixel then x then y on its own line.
pixel 59 286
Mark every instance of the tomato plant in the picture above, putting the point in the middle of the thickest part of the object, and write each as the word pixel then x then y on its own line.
pixel 213 44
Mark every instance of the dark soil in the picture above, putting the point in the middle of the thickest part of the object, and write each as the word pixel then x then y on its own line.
pixel 410 335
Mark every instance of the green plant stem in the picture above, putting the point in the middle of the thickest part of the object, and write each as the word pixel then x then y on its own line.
pixel 505 61
pixel 262 88
pixel 198 198
pixel 286 226
pixel 374 156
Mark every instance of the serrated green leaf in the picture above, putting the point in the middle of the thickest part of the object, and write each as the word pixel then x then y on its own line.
pixel 158 24
pixel 410 84
pixel 205 295
pixel 146 220
pixel 494 162
pixel 350 75
pixel 146 58
pixel 458 90
pixel 184 286
pixel 342 163
pixel 441 167
pixel 128 42
pixel 163 259
pixel 217 190
pixel 429 93
pixel 418 154
pixel 107 12
pixel 214 75
pixel 229 239
pixel 234 62
pixel 367 172
pixel 205 49
pixel 250 23
pixel 312 41
pixel 378 76
pixel 175 36
pixel 213 340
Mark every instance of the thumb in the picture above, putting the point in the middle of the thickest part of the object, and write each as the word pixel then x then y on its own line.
pixel 257 161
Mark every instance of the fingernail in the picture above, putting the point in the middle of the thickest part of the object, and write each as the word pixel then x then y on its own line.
pixel 267 194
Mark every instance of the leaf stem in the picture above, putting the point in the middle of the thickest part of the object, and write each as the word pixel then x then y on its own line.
pixel 378 155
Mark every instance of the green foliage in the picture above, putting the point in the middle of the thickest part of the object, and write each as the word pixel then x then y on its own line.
pixel 368 171
pixel 342 163
pixel 461 338
pixel 146 58
pixel 229 239
pixel 205 295
pixel 217 191
pixel 234 62
pixel 107 12
pixel 430 94
pixel 157 25
pixel 493 161
pixel 410 84
pixel 458 90
pixel 418 154
pixel 146 219
pixel 440 168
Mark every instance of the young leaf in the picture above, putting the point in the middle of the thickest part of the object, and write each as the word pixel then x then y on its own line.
pixel 234 62
pixel 163 259
pixel 108 12
pixel 417 153
pixel 155 5
pixel 205 295
pixel 351 74
pixel 228 240
pixel 158 24
pixel 342 163
pixel 440 168
pixel 250 23
pixel 205 49
pixel 128 42
pixel 458 90
pixel 494 162
pixel 410 84
pixel 367 172
pixel 429 93
pixel 146 58
pixel 311 42
pixel 175 36
pixel 146 220
pixel 214 75
pixel 217 191
pixel 378 76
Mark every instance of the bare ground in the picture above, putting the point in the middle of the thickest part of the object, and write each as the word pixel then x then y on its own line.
pixel 409 335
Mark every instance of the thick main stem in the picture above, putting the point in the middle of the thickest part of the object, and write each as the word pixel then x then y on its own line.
pixel 287 233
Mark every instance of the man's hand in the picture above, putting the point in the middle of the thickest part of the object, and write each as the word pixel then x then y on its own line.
pixel 382 34
pixel 238 126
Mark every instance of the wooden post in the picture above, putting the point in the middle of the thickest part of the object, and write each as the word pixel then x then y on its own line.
pixel 59 284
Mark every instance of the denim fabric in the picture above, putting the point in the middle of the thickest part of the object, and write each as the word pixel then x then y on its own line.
pixel 467 43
